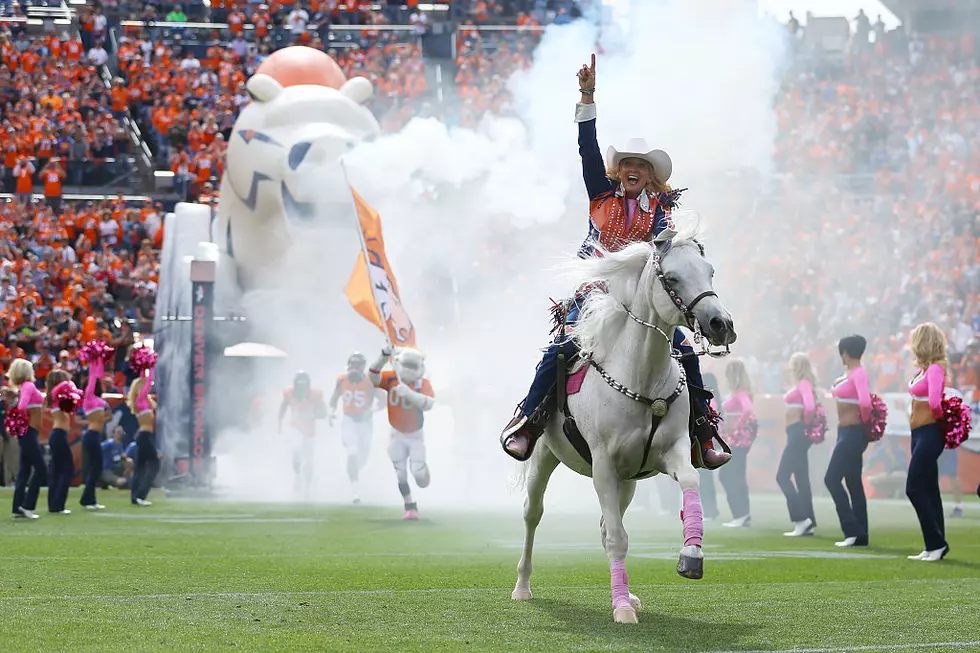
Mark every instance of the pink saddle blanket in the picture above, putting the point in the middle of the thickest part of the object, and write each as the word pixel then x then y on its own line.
pixel 574 381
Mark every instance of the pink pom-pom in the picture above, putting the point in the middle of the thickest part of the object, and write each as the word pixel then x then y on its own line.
pixel 744 432
pixel 956 421
pixel 816 429
pixel 875 429
pixel 95 350
pixel 17 422
pixel 67 397
pixel 142 359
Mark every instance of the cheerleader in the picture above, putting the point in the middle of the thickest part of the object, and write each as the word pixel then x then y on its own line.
pixel 793 475
pixel 63 398
pixel 709 496
pixel 742 429
pixel 97 413
pixel 927 387
pixel 147 463
pixel 853 397
pixel 24 413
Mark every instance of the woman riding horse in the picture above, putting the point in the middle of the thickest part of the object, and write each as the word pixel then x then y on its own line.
pixel 629 202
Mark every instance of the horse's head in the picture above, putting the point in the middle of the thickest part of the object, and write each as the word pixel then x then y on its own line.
pixel 683 293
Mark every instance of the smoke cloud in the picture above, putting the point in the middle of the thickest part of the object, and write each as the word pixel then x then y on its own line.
pixel 480 223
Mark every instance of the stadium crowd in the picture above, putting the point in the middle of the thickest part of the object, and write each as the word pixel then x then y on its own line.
pixel 877 153
pixel 874 222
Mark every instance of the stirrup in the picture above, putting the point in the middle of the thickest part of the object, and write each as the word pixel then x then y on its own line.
pixel 697 447
pixel 522 458
pixel 531 427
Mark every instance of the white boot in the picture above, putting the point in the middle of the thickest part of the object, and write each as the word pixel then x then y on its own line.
pixel 801 528
pixel 848 541
pixel 935 555
pixel 741 522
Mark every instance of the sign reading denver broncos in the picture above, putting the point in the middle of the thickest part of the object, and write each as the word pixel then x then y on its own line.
pixel 202 298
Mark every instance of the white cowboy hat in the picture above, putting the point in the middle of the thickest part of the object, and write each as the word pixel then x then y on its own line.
pixel 637 148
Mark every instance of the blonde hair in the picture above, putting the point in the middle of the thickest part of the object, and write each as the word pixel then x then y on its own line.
pixel 134 391
pixel 655 186
pixel 21 371
pixel 929 346
pixel 801 369
pixel 738 377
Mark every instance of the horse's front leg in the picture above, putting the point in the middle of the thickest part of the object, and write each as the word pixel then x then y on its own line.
pixel 540 467
pixel 607 487
pixel 678 464
pixel 627 489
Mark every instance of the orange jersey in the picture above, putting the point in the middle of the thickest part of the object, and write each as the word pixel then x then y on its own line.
pixel 402 417
pixel 356 396
pixel 304 412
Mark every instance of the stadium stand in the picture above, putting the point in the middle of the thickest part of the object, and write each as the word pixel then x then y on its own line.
pixel 882 136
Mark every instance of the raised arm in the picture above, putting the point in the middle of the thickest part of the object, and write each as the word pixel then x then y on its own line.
pixel 374 372
pixel 936 381
pixel 806 393
pixel 860 378
pixel 95 372
pixel 593 167
pixel 141 398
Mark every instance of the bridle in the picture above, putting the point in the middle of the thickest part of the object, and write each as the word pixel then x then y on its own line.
pixel 686 310
pixel 660 405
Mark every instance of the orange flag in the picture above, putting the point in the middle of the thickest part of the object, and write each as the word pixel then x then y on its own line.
pixel 372 289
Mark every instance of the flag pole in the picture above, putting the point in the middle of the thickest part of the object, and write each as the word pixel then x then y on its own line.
pixel 364 253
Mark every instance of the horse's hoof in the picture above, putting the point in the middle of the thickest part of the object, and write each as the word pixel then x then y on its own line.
pixel 624 615
pixel 690 567
pixel 636 602
pixel 521 594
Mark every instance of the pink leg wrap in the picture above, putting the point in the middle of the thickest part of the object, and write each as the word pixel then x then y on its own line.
pixel 620 584
pixel 693 519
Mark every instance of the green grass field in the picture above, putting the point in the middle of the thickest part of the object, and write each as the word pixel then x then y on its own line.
pixel 210 575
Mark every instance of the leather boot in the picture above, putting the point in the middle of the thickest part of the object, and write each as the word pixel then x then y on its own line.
pixel 704 432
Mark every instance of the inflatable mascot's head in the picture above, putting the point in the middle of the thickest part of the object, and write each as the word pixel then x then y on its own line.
pixel 303 116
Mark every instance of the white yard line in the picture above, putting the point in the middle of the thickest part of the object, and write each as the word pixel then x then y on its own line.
pixel 544 589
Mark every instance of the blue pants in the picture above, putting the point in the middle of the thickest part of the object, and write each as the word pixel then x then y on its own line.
pixel 147 466
pixel 61 469
pixel 545 374
pixel 845 466
pixel 734 478
pixel 91 465
pixel 31 474
pixel 922 484
pixel 793 475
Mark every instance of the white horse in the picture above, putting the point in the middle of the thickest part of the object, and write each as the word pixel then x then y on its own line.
pixel 624 334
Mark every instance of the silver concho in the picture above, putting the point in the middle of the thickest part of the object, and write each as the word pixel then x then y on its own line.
pixel 659 407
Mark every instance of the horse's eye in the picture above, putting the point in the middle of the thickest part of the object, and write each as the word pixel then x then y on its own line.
pixel 671 280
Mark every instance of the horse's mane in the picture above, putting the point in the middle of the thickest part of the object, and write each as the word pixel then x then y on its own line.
pixel 602 315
